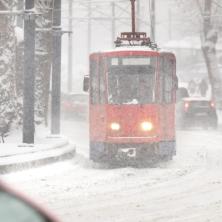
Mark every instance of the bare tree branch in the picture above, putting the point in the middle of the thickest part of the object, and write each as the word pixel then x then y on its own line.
pixel 199 7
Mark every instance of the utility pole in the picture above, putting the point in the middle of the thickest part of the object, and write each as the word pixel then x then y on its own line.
pixel 29 73
pixel 153 21
pixel 19 19
pixel 70 45
pixel 56 68
pixel 89 26
pixel 113 23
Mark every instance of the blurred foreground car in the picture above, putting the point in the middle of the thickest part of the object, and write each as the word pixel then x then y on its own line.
pixel 75 105
pixel 15 207
pixel 196 111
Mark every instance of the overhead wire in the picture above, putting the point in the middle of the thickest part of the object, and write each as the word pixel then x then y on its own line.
pixel 141 20
pixel 99 1
pixel 95 4
pixel 120 22
pixel 102 13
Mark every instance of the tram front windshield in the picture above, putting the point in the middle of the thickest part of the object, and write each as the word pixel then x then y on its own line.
pixel 131 80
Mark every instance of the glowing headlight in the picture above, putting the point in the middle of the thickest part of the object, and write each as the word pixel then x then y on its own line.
pixel 146 126
pixel 115 126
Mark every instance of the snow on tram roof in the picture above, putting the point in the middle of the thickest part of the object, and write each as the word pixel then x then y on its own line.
pixel 133 48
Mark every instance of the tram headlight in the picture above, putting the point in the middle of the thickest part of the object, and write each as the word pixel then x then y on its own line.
pixel 146 126
pixel 115 126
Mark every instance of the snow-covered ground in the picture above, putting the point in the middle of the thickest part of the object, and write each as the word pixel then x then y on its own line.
pixel 185 189
pixel 13 151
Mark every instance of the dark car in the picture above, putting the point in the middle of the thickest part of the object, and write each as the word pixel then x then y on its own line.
pixel 75 105
pixel 181 93
pixel 196 111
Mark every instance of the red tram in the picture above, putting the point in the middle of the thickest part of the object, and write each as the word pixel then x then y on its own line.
pixel 132 101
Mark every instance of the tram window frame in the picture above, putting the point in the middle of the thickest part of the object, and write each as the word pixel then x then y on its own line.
pixel 166 79
pixel 102 85
pixel 94 81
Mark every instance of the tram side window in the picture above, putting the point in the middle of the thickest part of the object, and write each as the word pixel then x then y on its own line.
pixel 102 88
pixel 162 79
pixel 166 79
pixel 94 89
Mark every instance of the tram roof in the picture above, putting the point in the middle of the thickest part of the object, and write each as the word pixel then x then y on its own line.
pixel 133 49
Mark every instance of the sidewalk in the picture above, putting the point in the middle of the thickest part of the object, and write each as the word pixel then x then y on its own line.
pixel 47 149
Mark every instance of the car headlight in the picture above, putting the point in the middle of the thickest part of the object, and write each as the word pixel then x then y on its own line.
pixel 146 126
pixel 115 126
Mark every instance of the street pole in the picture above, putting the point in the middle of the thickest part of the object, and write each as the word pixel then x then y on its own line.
pixel 89 26
pixel 29 73
pixel 56 68
pixel 113 23
pixel 153 21
pixel 19 19
pixel 70 47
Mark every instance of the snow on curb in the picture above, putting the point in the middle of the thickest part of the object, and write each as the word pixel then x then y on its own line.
pixel 27 156
pixel 28 149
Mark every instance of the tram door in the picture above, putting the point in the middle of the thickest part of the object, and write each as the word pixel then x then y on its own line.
pixel 167 95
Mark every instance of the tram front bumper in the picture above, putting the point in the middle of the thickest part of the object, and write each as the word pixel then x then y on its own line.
pixel 100 151
pixel 133 151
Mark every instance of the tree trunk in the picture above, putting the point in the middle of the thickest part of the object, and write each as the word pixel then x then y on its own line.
pixel 209 42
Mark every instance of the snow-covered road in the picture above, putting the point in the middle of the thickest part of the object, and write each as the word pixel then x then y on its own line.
pixel 187 189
